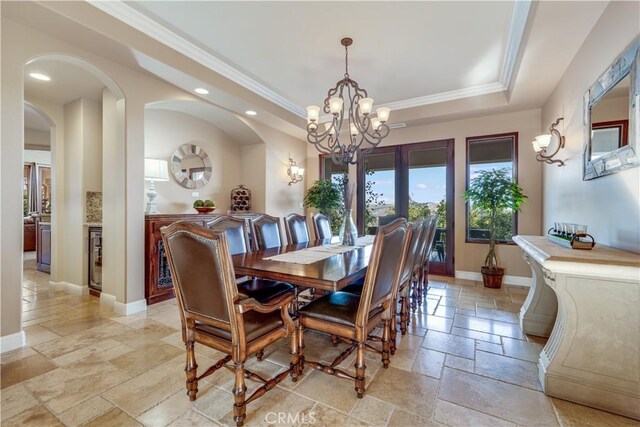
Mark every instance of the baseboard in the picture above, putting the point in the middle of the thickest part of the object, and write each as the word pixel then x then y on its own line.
pixel 507 280
pixel 130 308
pixel 12 342
pixel 71 288
pixel 107 299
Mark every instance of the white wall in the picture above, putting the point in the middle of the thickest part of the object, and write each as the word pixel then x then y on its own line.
pixel 610 205
pixel 37 139
pixel 37 156
pixel 470 256
pixel 165 131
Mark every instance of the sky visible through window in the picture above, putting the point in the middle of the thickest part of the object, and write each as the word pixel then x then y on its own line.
pixel 425 184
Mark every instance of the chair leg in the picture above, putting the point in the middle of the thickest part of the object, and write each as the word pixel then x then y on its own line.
pixel 260 355
pixel 334 340
pixel 404 315
pixel 360 370
pixel 239 390
pixel 191 370
pixel 295 355
pixel 385 342
pixel 393 328
pixel 300 349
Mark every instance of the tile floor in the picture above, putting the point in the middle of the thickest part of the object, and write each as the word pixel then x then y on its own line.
pixel 465 362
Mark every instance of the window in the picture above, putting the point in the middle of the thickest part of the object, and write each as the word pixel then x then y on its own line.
pixel 329 170
pixel 411 181
pixel 487 153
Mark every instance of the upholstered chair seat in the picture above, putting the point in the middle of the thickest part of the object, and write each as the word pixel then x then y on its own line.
pixel 338 307
pixel 262 290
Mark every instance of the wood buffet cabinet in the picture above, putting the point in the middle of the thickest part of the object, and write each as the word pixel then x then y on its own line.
pixel 158 283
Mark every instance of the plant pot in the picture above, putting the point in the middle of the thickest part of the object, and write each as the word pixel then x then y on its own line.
pixel 492 277
pixel 205 210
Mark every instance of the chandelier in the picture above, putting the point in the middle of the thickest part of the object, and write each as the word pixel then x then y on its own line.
pixel 349 105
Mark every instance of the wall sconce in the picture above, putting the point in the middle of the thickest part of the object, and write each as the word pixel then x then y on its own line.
pixel 154 170
pixel 541 144
pixel 294 172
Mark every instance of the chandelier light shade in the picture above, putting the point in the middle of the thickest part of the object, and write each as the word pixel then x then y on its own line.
pixel 352 128
pixel 541 144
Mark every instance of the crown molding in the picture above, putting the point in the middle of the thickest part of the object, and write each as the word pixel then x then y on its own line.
pixel 151 28
pixel 519 18
pixel 135 19
pixel 446 96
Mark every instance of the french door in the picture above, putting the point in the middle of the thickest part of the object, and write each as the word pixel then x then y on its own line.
pixel 410 181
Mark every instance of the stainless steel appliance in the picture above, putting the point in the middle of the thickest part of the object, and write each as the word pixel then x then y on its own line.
pixel 95 258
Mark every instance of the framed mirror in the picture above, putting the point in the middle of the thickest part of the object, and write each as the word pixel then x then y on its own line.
pixel 191 166
pixel 611 114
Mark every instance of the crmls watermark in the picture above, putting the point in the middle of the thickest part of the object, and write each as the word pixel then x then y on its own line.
pixel 290 418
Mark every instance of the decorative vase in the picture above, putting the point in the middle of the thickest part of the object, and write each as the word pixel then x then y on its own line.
pixel 348 232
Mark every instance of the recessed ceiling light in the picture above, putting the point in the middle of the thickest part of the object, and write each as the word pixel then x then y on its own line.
pixel 40 76
pixel 201 91
pixel 251 113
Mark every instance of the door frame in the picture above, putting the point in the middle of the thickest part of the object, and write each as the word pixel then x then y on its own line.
pixel 401 152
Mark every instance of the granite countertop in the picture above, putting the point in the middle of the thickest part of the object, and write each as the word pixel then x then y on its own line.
pixel 93 224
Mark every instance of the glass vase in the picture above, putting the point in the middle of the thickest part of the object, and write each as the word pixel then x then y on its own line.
pixel 348 232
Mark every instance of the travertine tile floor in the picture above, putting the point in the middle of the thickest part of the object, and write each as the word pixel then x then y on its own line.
pixel 464 363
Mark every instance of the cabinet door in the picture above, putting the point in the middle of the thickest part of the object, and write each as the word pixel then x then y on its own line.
pixel 43 252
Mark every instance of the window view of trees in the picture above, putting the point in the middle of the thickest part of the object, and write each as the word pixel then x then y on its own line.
pixel 486 154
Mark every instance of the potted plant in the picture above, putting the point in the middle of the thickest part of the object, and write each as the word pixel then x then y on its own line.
pixel 494 193
pixel 326 197
pixel 204 206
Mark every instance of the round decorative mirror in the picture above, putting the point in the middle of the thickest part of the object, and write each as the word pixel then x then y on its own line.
pixel 191 166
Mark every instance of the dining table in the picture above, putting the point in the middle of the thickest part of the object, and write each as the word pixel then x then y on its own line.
pixel 338 267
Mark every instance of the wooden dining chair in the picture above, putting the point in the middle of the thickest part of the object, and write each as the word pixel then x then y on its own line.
pixel 414 254
pixel 296 228
pixel 215 315
pixel 261 289
pixel 352 317
pixel 322 226
pixel 421 280
pixel 265 230
pixel 402 298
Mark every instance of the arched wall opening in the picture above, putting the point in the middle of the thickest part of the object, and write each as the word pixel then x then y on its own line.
pixel 87 144
pixel 230 144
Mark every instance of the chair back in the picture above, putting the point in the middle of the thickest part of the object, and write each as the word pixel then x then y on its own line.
pixel 426 239
pixel 387 219
pixel 202 273
pixel 414 251
pixel 322 226
pixel 385 266
pixel 432 231
pixel 236 231
pixel 265 230
pixel 296 228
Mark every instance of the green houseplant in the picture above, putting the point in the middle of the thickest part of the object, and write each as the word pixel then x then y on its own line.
pixel 326 197
pixel 494 193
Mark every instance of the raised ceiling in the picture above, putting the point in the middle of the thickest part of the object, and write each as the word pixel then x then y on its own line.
pixel 429 61
pixel 401 50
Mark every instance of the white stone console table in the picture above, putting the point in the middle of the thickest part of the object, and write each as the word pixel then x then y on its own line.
pixel 592 356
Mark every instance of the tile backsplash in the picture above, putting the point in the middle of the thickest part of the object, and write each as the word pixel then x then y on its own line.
pixel 93 211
